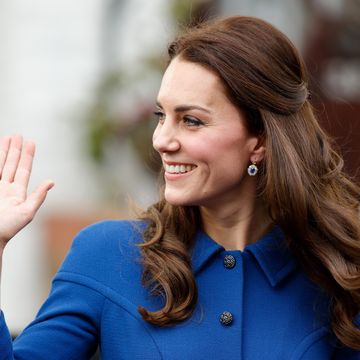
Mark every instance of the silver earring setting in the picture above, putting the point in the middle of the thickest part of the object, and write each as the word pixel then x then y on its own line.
pixel 252 169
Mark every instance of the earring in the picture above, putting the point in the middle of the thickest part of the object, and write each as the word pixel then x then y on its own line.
pixel 252 169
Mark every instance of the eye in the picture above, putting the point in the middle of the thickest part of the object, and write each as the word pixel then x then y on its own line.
pixel 160 116
pixel 192 121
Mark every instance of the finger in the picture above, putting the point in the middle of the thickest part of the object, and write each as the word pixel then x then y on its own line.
pixel 12 158
pixel 4 148
pixel 38 196
pixel 23 170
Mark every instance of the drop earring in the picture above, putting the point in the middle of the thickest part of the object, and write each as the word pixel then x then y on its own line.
pixel 252 169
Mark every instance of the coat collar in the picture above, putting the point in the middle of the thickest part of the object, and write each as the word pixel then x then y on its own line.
pixel 271 253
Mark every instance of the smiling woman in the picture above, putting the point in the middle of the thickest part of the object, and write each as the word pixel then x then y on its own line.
pixel 253 249
pixel 252 84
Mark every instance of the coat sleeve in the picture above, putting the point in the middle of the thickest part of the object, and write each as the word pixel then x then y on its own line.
pixel 68 324
pixel 5 340
pixel 66 327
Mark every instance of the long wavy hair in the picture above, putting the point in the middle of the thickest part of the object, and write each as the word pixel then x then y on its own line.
pixel 301 179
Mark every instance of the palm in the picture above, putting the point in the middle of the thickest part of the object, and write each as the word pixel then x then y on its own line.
pixel 13 211
pixel 17 208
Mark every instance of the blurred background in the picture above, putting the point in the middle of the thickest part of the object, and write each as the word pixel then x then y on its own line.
pixel 80 78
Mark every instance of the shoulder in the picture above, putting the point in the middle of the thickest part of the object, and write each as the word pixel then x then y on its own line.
pixel 104 234
pixel 104 248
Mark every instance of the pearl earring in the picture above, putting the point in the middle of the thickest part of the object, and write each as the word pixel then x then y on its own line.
pixel 252 169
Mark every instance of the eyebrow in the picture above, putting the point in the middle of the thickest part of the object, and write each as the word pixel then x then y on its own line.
pixel 182 108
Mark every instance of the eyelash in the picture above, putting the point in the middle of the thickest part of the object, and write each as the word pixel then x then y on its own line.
pixel 192 121
pixel 189 120
pixel 160 115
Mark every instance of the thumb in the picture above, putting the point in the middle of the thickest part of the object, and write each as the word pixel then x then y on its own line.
pixel 38 196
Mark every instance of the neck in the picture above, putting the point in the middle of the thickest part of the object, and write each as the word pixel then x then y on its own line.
pixel 236 225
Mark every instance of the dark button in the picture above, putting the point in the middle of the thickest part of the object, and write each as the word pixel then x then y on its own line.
pixel 226 318
pixel 229 261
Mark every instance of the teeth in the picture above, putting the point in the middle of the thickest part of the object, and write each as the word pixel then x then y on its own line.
pixel 177 169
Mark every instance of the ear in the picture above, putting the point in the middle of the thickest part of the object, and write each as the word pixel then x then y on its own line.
pixel 258 152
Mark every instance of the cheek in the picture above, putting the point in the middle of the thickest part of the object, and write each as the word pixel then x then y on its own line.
pixel 212 151
pixel 232 155
pixel 198 149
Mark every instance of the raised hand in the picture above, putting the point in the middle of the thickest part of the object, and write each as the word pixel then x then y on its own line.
pixel 17 208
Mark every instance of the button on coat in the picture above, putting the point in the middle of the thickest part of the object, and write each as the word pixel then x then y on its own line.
pixel 229 261
pixel 226 318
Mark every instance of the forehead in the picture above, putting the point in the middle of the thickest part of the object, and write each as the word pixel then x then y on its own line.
pixel 186 81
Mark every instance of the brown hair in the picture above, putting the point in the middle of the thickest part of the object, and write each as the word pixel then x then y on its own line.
pixel 301 179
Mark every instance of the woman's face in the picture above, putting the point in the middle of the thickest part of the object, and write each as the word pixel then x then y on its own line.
pixel 201 138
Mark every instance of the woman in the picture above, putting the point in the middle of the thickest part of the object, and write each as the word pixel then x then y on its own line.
pixel 253 251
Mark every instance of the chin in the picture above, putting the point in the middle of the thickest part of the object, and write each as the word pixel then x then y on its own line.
pixel 175 201
pixel 172 199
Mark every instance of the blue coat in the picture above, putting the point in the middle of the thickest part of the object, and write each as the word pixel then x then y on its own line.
pixel 253 304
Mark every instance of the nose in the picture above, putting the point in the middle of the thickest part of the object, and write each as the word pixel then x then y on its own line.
pixel 165 138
